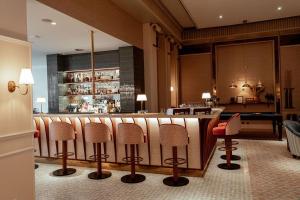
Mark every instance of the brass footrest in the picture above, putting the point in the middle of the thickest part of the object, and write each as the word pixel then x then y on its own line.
pixel 224 148
pixel 59 155
pixel 136 159
pixel 94 157
pixel 171 161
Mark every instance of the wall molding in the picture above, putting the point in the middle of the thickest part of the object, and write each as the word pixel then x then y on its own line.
pixel 15 143
pixel 274 27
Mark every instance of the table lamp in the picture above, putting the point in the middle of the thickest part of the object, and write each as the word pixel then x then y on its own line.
pixel 141 98
pixel 206 96
pixel 41 100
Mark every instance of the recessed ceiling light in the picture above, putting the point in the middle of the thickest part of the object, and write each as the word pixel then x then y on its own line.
pixel 279 8
pixel 46 20
pixel 220 16
pixel 53 23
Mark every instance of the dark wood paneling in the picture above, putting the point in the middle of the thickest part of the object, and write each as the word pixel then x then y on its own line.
pixel 54 62
pixel 83 61
pixel 131 76
pixel 192 49
pixel 289 39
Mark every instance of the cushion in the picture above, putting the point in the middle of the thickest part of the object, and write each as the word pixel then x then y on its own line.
pixel 36 133
pixel 222 124
pixel 220 130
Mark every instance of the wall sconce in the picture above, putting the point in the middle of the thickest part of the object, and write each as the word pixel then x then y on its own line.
pixel 26 79
pixel 171 88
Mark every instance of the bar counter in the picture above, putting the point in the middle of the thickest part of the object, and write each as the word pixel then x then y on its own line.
pixel 199 127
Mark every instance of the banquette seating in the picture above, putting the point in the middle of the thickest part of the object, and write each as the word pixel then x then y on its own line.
pixel 292 129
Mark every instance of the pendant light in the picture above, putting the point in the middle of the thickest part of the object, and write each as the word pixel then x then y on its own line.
pixel 232 85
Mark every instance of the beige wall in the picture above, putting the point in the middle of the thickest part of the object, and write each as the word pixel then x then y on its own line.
pixel 163 72
pixel 16 148
pixel 290 61
pixel 150 67
pixel 17 182
pixel 240 62
pixel 103 15
pixel 195 77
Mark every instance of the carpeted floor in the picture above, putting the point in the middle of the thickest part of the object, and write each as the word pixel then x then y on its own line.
pixel 267 172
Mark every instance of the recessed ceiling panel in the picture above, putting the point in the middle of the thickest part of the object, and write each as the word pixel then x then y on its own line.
pixel 206 13
pixel 51 31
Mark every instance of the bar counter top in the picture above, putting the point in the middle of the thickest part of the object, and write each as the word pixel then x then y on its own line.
pixel 215 112
pixel 197 153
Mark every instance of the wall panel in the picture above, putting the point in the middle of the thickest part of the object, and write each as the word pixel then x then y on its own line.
pixel 195 77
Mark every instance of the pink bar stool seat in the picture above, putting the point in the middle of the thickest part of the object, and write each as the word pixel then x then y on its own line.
pixel 98 133
pixel 174 136
pixel 62 131
pixel 131 134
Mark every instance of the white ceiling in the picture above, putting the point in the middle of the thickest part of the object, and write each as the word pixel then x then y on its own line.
pixel 179 13
pixel 68 34
pixel 205 13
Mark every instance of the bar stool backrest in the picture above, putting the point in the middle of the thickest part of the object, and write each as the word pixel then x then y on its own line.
pixel 173 135
pixel 97 132
pixel 130 133
pixel 61 131
pixel 233 126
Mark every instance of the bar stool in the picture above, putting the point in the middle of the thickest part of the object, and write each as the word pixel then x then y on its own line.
pixel 233 157
pixel 232 127
pixel 173 135
pixel 62 131
pixel 132 134
pixel 35 136
pixel 98 133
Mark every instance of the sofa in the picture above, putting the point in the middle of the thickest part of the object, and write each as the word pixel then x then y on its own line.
pixel 292 129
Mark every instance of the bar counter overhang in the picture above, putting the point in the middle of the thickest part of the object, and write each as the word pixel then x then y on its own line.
pixel 198 152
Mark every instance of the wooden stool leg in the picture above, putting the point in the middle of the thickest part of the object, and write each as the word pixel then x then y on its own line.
pixel 99 161
pixel 175 180
pixel 64 171
pixel 132 177
pixel 228 147
pixel 99 174
pixel 132 160
pixel 175 164
pixel 65 155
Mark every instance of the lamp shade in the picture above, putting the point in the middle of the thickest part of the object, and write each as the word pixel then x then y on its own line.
pixel 26 77
pixel 41 100
pixel 141 97
pixel 206 95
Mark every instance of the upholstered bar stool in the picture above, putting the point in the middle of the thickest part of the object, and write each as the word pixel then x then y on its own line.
pixel 62 131
pixel 131 134
pixel 232 127
pixel 173 135
pixel 233 143
pixel 98 133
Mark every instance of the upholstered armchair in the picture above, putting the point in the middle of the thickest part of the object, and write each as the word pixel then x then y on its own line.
pixel 292 129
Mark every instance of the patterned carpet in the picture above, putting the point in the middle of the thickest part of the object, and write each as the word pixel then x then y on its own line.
pixel 267 172
pixel 274 174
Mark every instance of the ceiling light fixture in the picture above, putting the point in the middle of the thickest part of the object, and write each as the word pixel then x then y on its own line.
pixel 220 16
pixel 53 23
pixel 279 8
